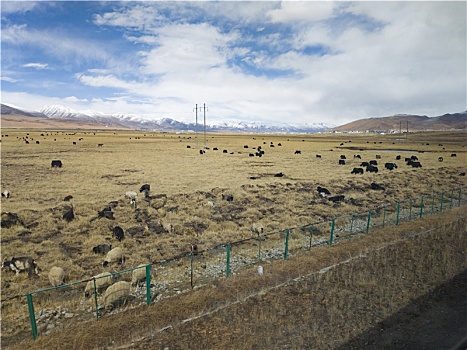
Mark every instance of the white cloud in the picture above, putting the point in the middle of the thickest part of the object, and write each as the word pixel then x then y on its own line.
pixel 10 80
pixel 36 65
pixel 292 11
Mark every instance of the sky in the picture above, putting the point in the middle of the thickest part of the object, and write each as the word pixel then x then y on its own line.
pixel 261 61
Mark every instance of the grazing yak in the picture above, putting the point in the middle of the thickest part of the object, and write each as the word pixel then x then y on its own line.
pixel 376 187
pixel 390 166
pixel 372 169
pixel 357 171
pixel 414 164
pixel 56 163
pixel 145 187
pixel 323 190
pixel 118 233
pixel 102 248
pixel 341 162
pixel 373 162
pixel 6 194
pixel 22 264
pixel 298 152
pixel 68 215
pixel 279 175
pixel 227 197
pixel 337 198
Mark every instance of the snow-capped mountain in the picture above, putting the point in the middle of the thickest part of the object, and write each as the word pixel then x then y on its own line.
pixel 135 121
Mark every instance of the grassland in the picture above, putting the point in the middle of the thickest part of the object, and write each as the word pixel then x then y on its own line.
pixel 193 185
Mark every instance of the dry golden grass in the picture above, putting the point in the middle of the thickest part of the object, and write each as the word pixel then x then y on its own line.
pixel 293 304
pixel 96 176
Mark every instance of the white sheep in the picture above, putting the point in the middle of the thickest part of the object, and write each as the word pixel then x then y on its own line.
pixel 257 228
pixel 114 256
pixel 103 280
pixel 131 194
pixel 56 276
pixel 117 293
pixel 138 275
pixel 168 227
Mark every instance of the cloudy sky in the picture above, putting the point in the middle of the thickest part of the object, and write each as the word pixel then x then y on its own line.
pixel 292 61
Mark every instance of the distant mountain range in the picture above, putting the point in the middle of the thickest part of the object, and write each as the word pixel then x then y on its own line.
pixel 56 116
pixel 136 122
pixel 402 122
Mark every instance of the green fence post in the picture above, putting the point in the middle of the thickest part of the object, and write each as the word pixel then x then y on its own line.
pixel 442 200
pixel 95 298
pixel 351 226
pixel 286 249
pixel 227 267
pixel 148 284
pixel 452 195
pixel 368 222
pixel 397 214
pixel 32 316
pixel 421 208
pixel 460 190
pixel 410 209
pixel 331 238
pixel 384 215
pixel 432 202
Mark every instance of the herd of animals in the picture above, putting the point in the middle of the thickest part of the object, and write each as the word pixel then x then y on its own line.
pixel 115 291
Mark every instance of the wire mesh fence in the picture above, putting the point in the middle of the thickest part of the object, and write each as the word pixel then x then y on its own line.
pixel 109 292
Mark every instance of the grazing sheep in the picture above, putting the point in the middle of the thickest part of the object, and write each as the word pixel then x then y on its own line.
pixel 257 228
pixel 103 280
pixel 6 194
pixel 114 256
pixel 138 276
pixel 116 294
pixel 168 227
pixel 56 276
pixel 131 194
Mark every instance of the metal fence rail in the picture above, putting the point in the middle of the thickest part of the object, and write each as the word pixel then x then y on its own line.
pixel 166 278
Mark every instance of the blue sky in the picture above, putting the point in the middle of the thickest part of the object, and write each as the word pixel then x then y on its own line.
pixel 292 61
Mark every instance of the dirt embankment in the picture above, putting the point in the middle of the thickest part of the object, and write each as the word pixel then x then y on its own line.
pixel 318 301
